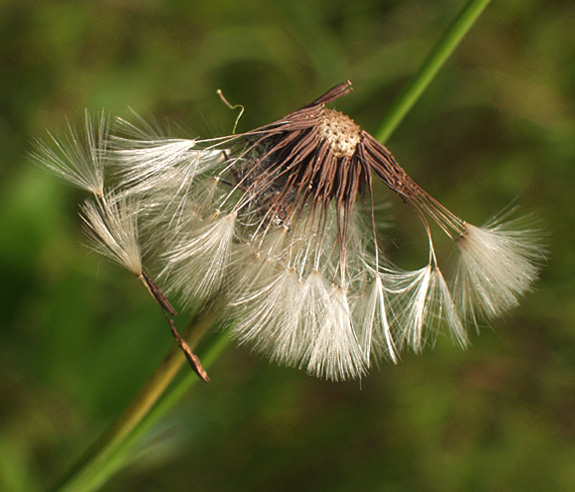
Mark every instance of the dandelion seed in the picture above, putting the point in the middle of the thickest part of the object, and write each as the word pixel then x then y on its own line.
pixel 269 221
pixel 196 263
pixel 78 158
pixel 150 166
pixel 111 217
pixel 112 230
pixel 421 304
pixel 372 308
pixel 497 265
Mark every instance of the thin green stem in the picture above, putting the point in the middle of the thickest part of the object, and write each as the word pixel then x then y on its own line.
pixel 434 61
pixel 88 474
pixel 168 400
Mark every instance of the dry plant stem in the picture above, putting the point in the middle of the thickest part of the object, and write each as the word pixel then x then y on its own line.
pixel 80 475
pixel 157 294
pixel 167 311
pixel 192 358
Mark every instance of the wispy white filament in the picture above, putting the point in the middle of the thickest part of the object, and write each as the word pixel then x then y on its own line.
pixel 112 228
pixel 421 305
pixel 271 325
pixel 335 352
pixel 373 313
pixel 498 263
pixel 304 323
pixel 196 263
pixel 157 165
pixel 78 157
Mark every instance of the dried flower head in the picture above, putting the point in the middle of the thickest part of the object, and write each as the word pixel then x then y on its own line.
pixel 269 222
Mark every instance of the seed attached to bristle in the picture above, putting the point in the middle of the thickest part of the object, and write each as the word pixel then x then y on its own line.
pixel 342 133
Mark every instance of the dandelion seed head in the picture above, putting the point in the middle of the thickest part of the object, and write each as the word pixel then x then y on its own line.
pixel 279 224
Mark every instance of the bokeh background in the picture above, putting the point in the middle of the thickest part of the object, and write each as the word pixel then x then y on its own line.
pixel 79 336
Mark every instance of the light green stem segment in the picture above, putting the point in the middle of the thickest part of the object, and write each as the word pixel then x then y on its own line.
pixel 110 452
pixel 434 61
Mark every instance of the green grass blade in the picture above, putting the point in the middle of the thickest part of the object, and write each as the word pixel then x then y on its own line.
pixel 434 61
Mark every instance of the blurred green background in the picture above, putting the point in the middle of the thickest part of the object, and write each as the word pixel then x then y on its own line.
pixel 79 336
